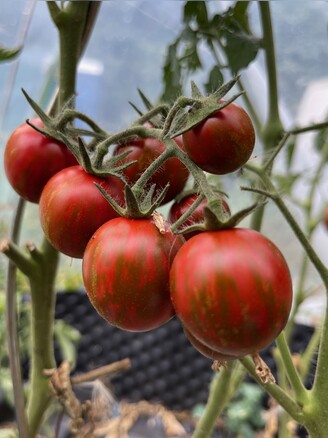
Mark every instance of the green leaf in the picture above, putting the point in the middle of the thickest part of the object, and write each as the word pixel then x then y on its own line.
pixel 215 79
pixel 196 10
pixel 241 49
pixel 9 54
pixel 189 58
pixel 172 74
pixel 240 14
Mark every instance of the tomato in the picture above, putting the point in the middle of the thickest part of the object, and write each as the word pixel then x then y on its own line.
pixel 126 273
pixel 223 142
pixel 145 151
pixel 72 208
pixel 232 290
pixel 178 208
pixel 206 351
pixel 31 159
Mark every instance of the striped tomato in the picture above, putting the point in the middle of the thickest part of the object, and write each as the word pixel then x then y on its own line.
pixel 72 208
pixel 223 142
pixel 144 152
pixel 232 290
pixel 206 351
pixel 126 268
pixel 181 206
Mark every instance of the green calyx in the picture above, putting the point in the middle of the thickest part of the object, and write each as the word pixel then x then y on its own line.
pixel 137 205
pixel 200 107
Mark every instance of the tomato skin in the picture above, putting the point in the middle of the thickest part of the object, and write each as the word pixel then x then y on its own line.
pixel 178 208
pixel 223 142
pixel 72 208
pixel 145 151
pixel 206 351
pixel 232 290
pixel 31 159
pixel 126 273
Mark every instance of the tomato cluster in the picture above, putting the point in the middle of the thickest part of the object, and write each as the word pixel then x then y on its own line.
pixel 231 288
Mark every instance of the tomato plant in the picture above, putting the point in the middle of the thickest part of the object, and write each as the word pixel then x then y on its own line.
pixel 232 290
pixel 181 206
pixel 126 273
pixel 31 159
pixel 72 208
pixel 145 151
pixel 223 142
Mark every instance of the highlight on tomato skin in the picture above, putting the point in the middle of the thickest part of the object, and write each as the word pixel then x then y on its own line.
pixel 31 159
pixel 71 208
pixel 232 290
pixel 125 272
pixel 223 142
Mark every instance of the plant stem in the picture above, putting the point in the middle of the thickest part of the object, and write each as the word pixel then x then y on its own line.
pixel 43 295
pixel 320 385
pixel 313 256
pixel 273 128
pixel 12 331
pixel 218 396
pixel 301 394
pixel 71 23
pixel 285 401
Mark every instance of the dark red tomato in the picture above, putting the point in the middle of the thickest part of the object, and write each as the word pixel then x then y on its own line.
pixel 223 142
pixel 232 290
pixel 178 208
pixel 206 351
pixel 31 159
pixel 145 151
pixel 72 208
pixel 126 273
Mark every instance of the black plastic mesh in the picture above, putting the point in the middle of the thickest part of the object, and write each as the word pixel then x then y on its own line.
pixel 165 366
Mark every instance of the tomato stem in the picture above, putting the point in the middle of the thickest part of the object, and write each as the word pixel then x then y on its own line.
pixel 102 148
pixel 273 128
pixel 275 391
pixel 43 295
pixel 218 397
pixel 301 394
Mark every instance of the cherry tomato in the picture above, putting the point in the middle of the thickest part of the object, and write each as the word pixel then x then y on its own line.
pixel 179 207
pixel 72 208
pixel 126 272
pixel 145 151
pixel 206 351
pixel 31 159
pixel 223 142
pixel 232 290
